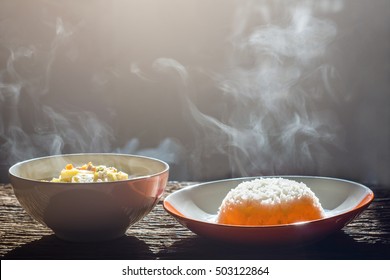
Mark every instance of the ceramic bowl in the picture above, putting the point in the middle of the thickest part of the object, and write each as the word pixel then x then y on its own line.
pixel 196 208
pixel 89 211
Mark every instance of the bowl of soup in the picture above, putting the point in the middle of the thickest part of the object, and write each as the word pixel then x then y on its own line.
pixel 90 196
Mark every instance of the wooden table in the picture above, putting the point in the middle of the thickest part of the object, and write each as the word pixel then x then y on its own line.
pixel 159 236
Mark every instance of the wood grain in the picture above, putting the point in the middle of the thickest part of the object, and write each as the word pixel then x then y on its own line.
pixel 159 236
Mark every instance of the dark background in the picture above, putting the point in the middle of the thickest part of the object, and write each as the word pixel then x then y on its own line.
pixel 215 88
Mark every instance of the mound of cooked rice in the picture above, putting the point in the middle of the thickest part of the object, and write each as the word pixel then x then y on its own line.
pixel 269 201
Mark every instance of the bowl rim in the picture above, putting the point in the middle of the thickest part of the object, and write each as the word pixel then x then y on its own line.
pixel 11 171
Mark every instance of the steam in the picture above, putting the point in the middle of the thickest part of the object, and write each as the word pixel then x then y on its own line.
pixel 269 117
pixel 266 113
pixel 31 127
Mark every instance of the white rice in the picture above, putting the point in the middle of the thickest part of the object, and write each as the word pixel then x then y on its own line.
pixel 267 201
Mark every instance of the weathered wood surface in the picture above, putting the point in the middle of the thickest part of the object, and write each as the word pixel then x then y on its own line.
pixel 159 236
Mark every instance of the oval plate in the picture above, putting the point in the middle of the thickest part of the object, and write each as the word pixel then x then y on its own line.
pixel 196 207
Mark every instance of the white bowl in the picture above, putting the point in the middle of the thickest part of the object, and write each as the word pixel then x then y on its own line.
pixel 89 211
pixel 196 208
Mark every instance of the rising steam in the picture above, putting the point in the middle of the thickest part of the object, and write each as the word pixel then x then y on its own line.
pixel 268 118
pixel 265 113
pixel 30 127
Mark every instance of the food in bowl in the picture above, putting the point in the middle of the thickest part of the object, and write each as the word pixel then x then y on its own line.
pixel 269 201
pixel 88 173
pixel 84 212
